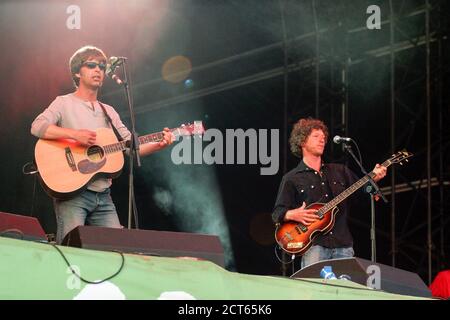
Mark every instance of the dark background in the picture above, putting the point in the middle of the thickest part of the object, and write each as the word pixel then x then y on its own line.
pixel 238 59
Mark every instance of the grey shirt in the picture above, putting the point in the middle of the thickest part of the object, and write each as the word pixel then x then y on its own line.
pixel 71 112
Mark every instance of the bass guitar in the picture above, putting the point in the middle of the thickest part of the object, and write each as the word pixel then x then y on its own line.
pixel 296 238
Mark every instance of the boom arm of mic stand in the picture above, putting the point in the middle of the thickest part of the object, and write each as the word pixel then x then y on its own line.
pixel 374 185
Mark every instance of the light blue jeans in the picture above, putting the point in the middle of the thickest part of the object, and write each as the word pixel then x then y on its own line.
pixel 89 207
pixel 318 253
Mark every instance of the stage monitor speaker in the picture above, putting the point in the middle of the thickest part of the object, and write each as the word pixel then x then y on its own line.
pixel 147 242
pixel 392 280
pixel 21 227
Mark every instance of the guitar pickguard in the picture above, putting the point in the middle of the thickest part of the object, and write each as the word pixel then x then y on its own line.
pixel 88 167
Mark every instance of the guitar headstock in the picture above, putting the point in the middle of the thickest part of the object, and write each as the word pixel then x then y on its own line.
pixel 189 129
pixel 400 157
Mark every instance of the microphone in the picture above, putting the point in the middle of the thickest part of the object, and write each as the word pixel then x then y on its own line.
pixel 111 66
pixel 339 139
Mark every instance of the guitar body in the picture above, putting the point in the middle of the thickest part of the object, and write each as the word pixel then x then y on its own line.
pixel 66 167
pixel 295 238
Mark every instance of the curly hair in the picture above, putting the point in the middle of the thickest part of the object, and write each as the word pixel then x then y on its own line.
pixel 81 56
pixel 302 129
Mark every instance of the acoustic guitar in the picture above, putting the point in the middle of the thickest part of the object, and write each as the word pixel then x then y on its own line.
pixel 66 167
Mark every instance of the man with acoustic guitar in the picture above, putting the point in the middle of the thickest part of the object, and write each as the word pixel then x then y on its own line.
pixel 77 116
pixel 313 181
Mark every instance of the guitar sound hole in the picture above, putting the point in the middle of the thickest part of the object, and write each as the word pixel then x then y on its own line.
pixel 95 153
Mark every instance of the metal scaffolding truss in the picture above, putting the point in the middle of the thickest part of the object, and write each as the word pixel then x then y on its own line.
pixel 435 221
pixel 295 66
pixel 429 76
pixel 428 41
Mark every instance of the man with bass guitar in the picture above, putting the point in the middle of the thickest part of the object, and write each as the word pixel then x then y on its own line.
pixel 313 181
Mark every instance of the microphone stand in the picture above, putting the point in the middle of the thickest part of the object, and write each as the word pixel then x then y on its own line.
pixel 133 145
pixel 373 192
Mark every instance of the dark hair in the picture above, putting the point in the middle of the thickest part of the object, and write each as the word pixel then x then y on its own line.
pixel 81 56
pixel 302 129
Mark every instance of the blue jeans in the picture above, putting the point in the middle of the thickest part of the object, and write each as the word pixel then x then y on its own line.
pixel 89 207
pixel 318 253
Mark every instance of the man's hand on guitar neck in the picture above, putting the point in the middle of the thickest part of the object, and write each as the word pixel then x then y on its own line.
pixel 305 216
pixel 149 148
pixel 380 172
pixel 167 139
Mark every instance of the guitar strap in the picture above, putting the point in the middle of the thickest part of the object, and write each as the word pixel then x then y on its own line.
pixel 119 137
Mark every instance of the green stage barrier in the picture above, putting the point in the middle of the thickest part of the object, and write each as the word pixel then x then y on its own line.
pixel 31 270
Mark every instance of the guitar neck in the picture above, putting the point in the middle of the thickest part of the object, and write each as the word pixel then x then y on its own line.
pixel 149 138
pixel 152 137
pixel 350 190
